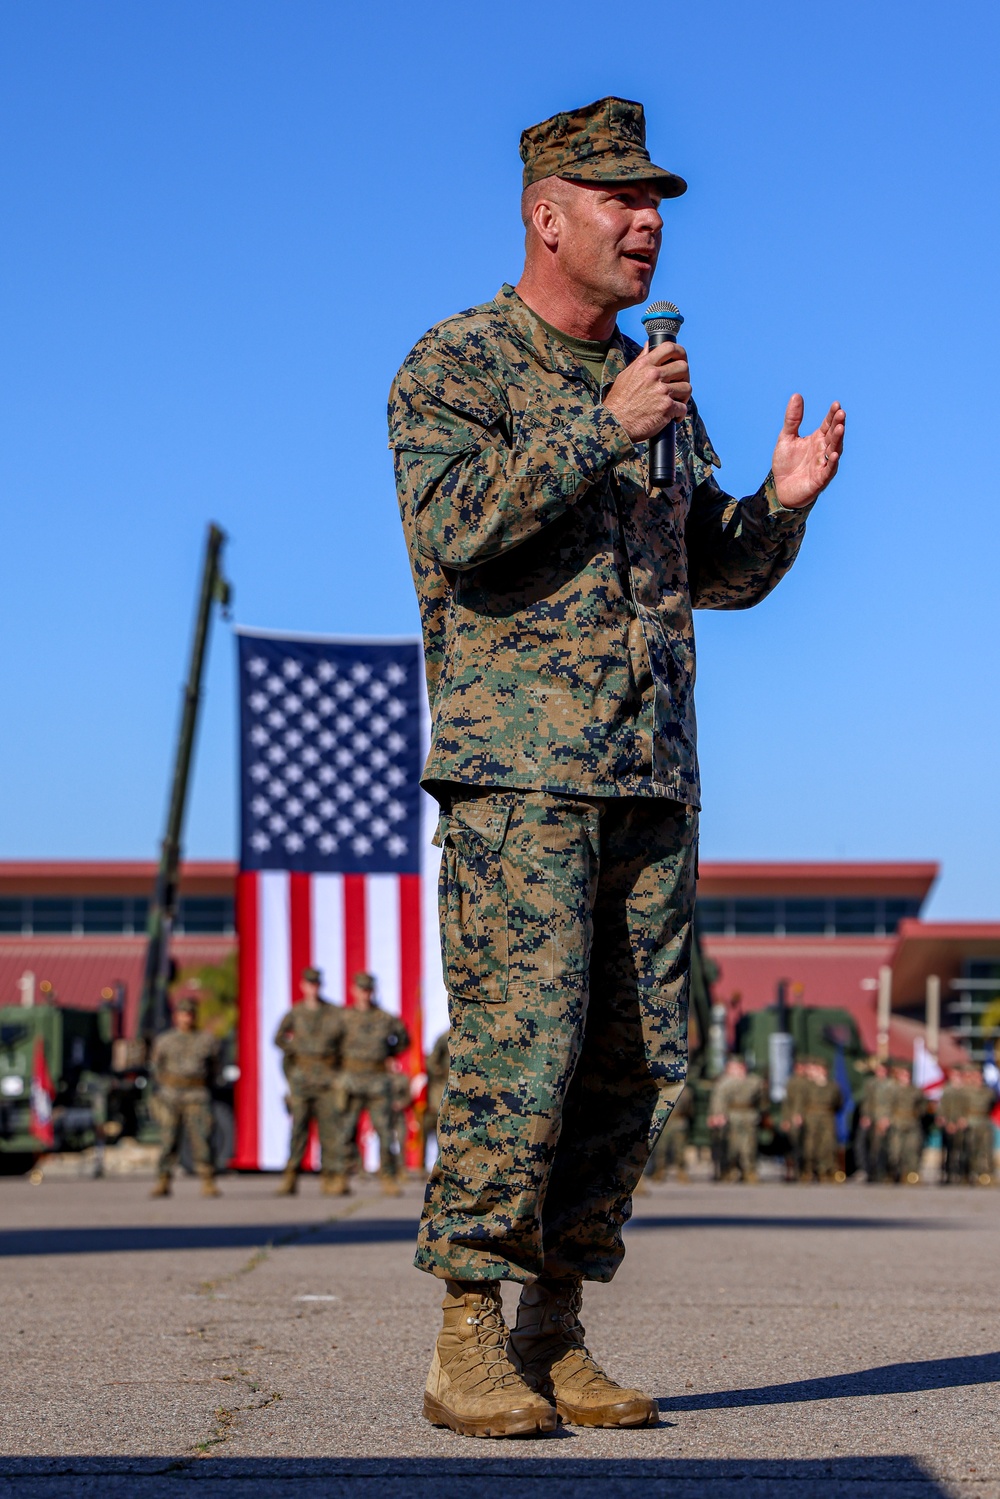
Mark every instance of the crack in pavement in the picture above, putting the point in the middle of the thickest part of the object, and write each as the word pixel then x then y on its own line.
pixel 227 1422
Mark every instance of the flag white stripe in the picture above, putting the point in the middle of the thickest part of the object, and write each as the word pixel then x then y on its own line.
pixel 328 933
pixel 382 927
pixel 434 996
pixel 275 999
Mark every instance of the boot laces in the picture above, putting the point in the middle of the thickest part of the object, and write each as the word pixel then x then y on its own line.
pixel 567 1306
pixel 492 1344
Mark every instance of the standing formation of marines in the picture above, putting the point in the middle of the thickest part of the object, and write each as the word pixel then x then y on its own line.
pixel 337 1061
pixel 894 1117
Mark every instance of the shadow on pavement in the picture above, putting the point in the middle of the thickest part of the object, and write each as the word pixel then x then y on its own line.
pixel 736 1220
pixel 126 1240
pixel 111 1240
pixel 449 1477
pixel 890 1379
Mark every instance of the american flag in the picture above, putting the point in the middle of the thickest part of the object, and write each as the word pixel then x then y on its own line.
pixel 336 868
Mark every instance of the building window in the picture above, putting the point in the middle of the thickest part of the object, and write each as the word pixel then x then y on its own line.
pixel 120 915
pixel 12 916
pixel 712 916
pixel 791 917
pixel 806 918
pixel 52 915
pixel 103 915
pixel 204 914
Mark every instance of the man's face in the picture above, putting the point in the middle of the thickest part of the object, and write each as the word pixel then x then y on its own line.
pixel 184 1020
pixel 310 991
pixel 362 997
pixel 736 1067
pixel 608 239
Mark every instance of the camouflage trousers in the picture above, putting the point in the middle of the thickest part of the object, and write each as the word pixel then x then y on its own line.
pixel 317 1101
pixel 741 1141
pixel 371 1091
pixel 819 1145
pixel 906 1143
pixel 184 1111
pixel 980 1147
pixel 669 1150
pixel 566 938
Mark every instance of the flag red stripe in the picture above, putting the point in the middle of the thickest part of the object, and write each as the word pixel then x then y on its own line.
pixel 300 935
pixel 355 929
pixel 410 965
pixel 248 1038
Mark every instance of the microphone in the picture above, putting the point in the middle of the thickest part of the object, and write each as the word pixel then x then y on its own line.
pixel 662 322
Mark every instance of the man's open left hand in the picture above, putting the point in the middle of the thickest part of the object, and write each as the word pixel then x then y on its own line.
pixel 803 466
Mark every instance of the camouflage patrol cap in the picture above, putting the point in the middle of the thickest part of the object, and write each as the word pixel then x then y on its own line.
pixel 364 981
pixel 312 976
pixel 602 142
pixel 186 1002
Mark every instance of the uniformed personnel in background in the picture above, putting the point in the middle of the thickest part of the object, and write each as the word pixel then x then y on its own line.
pixel 979 1102
pixel 184 1062
pixel 437 1079
pixel 793 1113
pixel 736 1102
pixel 310 1037
pixel 875 1120
pixel 671 1148
pixel 952 1121
pixel 371 1038
pixel 906 1135
pixel 823 1101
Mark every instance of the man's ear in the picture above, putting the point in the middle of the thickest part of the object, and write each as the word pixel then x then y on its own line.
pixel 546 221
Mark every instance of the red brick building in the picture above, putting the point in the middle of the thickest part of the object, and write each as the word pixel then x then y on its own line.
pixel 826 928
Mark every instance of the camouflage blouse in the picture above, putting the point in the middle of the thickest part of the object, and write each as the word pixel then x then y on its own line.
pixel 555 589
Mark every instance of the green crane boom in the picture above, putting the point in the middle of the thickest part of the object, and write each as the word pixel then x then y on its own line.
pixel 154 1014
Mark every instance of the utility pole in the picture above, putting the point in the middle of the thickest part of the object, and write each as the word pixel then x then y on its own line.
pixel 883 1012
pixel 153 1009
pixel 933 1014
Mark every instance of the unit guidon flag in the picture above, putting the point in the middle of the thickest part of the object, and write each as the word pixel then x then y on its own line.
pixel 334 866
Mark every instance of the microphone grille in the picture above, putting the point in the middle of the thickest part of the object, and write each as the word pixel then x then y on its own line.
pixel 662 317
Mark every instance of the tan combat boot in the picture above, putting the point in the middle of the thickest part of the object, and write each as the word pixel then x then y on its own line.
pixel 335 1184
pixel 547 1348
pixel 289 1184
pixel 471 1386
pixel 391 1184
pixel 208 1186
pixel 163 1187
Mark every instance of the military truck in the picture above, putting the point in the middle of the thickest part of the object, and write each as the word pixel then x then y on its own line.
pixel 88 1094
pixel 101 1082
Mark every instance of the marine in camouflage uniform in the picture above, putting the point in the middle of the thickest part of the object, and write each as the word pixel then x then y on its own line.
pixel 906 1137
pixel 437 1079
pixel 979 1103
pixel 671 1148
pixel 953 1124
pixel 793 1112
pixel 556 594
pixel 875 1118
pixel 823 1103
pixel 370 1038
pixel 309 1036
pixel 737 1098
pixel 183 1063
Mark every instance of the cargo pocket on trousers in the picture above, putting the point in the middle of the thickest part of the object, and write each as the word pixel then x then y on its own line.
pixel 474 943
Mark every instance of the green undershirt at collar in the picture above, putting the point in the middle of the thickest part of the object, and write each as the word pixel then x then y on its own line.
pixel 590 352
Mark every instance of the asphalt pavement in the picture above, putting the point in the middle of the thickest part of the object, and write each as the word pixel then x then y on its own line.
pixel 820 1340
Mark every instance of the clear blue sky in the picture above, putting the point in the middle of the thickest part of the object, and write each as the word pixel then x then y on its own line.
pixel 226 223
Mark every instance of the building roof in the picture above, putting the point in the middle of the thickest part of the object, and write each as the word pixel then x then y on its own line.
pixel 718 877
pixel 941 947
pixel 110 876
